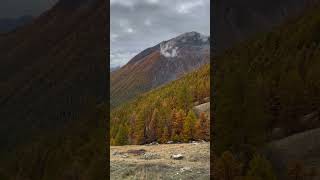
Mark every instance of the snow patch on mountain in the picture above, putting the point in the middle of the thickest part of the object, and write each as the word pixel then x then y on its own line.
pixel 168 49
pixel 204 38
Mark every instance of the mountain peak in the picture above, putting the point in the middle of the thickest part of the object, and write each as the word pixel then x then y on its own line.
pixel 190 34
pixel 193 35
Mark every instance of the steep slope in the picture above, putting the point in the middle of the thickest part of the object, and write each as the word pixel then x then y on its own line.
pixel 158 65
pixel 268 85
pixel 165 113
pixel 52 78
pixel 236 21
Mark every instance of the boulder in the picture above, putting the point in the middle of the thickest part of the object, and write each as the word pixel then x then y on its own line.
pixel 137 152
pixel 149 156
pixel 124 156
pixel 177 156
pixel 154 143
pixel 185 169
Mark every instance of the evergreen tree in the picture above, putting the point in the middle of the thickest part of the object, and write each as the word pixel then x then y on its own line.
pixel 189 127
pixel 185 98
pixel 260 168
pixel 121 138
pixel 203 127
pixel 177 125
pixel 131 130
pixel 296 171
pixel 112 142
pixel 226 167
pixel 153 126
pixel 140 129
pixel 165 135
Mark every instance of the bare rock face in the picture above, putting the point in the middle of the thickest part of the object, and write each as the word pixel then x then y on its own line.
pixel 203 108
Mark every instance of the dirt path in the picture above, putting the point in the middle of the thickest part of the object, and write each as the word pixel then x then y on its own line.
pixel 156 162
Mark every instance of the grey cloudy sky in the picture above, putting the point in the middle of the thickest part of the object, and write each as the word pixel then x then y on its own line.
pixel 17 8
pixel 139 24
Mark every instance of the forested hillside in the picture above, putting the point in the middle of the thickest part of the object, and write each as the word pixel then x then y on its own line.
pixel 266 88
pixel 165 113
pixel 75 152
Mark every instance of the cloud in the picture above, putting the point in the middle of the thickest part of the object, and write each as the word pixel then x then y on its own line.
pixel 130 30
pixel 187 7
pixel 140 24
pixel 148 22
pixel 121 57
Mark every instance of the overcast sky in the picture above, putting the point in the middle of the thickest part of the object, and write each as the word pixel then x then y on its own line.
pixel 139 24
pixel 17 8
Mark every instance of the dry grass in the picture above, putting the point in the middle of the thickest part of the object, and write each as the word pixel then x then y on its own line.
pixel 196 160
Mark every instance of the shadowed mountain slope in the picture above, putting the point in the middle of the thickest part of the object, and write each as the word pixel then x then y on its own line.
pixel 236 21
pixel 267 90
pixel 269 84
pixel 51 68
pixel 52 84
